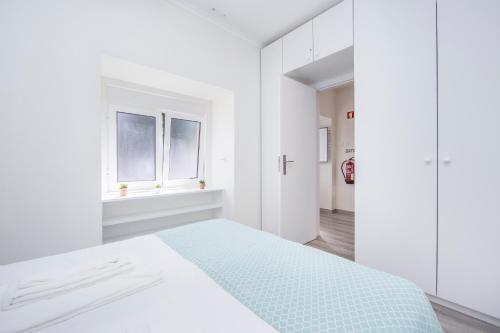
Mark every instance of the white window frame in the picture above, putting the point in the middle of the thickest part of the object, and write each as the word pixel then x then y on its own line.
pixel 112 167
pixel 162 149
pixel 201 153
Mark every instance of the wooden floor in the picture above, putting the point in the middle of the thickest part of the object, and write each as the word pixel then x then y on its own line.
pixel 337 237
pixel 336 234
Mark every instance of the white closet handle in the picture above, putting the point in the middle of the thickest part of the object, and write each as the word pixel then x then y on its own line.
pixel 447 160
pixel 428 160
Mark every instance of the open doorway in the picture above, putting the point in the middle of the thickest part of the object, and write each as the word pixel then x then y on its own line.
pixel 336 171
pixel 323 87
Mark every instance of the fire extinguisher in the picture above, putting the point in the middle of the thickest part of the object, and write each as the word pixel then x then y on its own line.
pixel 349 170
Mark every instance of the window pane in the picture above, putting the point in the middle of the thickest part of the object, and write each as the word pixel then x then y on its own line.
pixel 184 149
pixel 136 147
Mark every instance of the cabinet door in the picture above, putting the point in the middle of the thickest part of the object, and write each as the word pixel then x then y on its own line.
pixel 333 30
pixel 271 70
pixel 297 48
pixel 469 149
pixel 396 134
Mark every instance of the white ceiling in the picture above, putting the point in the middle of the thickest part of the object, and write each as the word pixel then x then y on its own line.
pixel 259 21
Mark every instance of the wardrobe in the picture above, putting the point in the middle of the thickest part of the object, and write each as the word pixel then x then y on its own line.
pixel 427 96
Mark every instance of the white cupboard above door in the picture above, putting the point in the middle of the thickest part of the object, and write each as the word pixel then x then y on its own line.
pixel 469 165
pixel 298 47
pixel 333 30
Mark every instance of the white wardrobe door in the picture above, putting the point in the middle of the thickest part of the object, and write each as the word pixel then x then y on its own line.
pixel 271 70
pixel 333 30
pixel 298 47
pixel 395 134
pixel 469 150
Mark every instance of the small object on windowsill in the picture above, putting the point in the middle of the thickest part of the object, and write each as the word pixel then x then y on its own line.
pixel 157 188
pixel 123 190
pixel 202 184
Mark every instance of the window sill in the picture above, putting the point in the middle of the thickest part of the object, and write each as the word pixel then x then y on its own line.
pixel 138 195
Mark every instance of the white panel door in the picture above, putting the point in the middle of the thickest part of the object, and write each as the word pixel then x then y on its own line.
pixel 333 30
pixel 298 47
pixel 469 151
pixel 396 134
pixel 271 70
pixel 299 202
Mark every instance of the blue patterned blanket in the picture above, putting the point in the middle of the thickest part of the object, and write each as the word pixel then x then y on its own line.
pixel 296 288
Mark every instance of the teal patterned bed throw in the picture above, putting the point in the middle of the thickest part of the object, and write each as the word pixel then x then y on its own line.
pixel 296 288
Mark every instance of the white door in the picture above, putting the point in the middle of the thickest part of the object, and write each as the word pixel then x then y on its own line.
pixel 299 203
pixel 396 135
pixel 298 47
pixel 469 150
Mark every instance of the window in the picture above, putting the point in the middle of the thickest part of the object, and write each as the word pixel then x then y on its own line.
pixel 146 148
pixel 135 147
pixel 184 149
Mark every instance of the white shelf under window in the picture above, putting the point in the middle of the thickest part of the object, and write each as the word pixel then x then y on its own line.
pixel 110 221
pixel 114 197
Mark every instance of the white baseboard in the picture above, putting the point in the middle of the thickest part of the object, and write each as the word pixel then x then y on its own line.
pixel 469 312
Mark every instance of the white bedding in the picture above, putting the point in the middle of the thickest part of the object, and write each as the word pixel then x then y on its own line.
pixel 187 301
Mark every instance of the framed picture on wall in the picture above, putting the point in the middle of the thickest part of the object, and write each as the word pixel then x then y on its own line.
pixel 323 144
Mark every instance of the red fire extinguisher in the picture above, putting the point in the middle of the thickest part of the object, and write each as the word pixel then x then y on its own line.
pixel 349 170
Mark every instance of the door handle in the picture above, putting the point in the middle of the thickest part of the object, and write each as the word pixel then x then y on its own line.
pixel 285 162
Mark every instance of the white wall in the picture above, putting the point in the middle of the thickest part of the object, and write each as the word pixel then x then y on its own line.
pixel 50 115
pixel 137 96
pixel 344 139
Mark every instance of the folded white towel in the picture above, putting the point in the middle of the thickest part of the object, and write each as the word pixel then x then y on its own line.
pixel 47 312
pixel 40 288
pixel 79 272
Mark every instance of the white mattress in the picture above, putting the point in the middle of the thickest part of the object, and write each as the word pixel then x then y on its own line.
pixel 188 300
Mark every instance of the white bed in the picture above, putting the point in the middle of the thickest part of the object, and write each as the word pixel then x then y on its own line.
pixel 187 301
